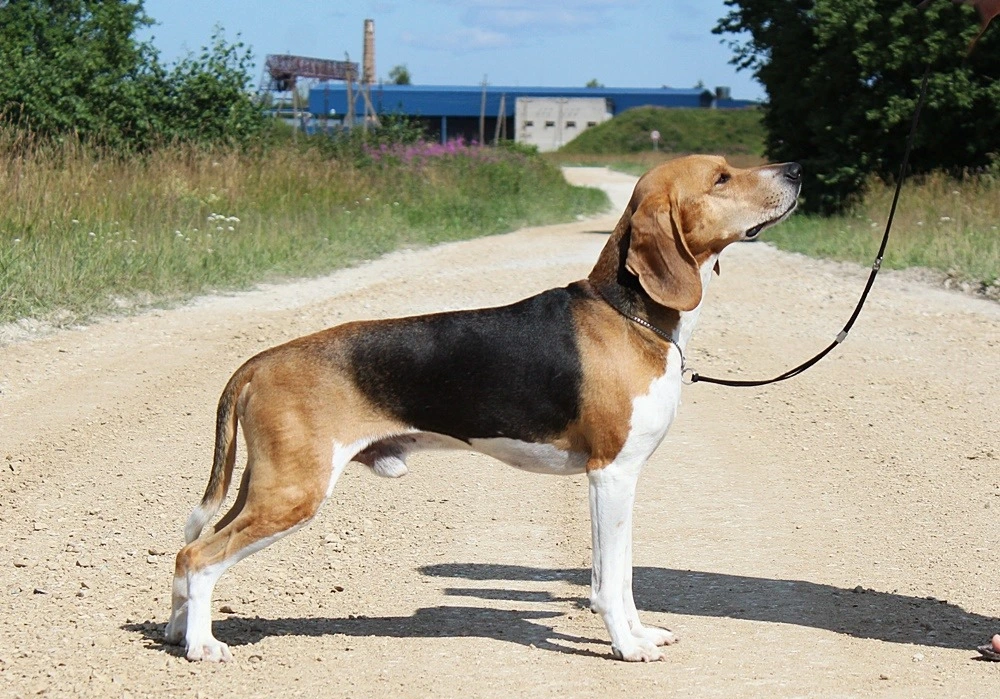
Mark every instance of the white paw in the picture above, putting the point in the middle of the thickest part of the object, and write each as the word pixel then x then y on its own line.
pixel 655 635
pixel 211 650
pixel 641 652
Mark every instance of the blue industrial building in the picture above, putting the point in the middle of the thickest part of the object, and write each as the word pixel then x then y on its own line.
pixel 454 111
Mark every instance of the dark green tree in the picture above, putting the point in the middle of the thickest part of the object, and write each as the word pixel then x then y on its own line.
pixel 399 75
pixel 842 79
pixel 207 98
pixel 74 67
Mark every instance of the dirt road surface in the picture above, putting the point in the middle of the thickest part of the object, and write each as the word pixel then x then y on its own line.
pixel 831 536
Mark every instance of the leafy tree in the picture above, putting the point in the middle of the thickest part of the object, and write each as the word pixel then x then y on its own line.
pixel 75 67
pixel 842 78
pixel 208 99
pixel 593 83
pixel 399 75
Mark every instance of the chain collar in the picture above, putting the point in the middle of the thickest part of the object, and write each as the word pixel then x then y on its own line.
pixel 649 326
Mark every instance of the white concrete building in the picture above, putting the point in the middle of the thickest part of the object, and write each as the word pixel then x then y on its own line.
pixel 551 122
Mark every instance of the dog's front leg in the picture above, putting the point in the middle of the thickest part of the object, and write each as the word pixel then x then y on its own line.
pixel 654 634
pixel 612 494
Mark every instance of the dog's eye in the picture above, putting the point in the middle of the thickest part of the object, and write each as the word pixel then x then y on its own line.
pixel 722 179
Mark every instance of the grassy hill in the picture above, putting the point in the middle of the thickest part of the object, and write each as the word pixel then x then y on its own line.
pixel 737 131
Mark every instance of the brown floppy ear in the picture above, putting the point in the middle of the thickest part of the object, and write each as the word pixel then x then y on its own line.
pixel 659 256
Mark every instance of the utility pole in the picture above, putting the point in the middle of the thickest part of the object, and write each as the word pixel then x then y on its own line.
pixel 501 128
pixel 482 116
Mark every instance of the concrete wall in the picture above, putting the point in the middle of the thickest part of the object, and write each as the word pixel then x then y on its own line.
pixel 551 122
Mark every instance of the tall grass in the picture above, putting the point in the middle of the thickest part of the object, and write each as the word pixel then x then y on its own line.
pixel 941 223
pixel 84 232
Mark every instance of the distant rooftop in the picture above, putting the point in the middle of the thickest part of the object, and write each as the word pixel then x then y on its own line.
pixel 466 100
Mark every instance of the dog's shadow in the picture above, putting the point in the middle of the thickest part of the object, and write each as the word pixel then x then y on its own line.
pixel 858 612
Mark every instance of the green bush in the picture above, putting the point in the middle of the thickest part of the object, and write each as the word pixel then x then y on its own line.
pixel 681 131
pixel 72 68
pixel 842 78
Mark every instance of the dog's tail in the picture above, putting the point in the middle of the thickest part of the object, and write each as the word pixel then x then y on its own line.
pixel 225 455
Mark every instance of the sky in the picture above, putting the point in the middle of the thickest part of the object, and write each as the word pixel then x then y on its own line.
pixel 550 43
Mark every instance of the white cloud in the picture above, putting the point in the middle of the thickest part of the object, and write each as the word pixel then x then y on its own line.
pixel 458 41
pixel 531 20
pixel 492 24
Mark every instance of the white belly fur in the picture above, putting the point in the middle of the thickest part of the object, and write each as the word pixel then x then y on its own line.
pixel 527 456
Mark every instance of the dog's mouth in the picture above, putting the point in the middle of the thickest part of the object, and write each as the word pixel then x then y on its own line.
pixel 756 230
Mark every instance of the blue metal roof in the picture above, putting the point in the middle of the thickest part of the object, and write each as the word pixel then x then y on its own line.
pixel 466 101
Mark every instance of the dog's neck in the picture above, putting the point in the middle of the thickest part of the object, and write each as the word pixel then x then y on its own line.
pixel 612 279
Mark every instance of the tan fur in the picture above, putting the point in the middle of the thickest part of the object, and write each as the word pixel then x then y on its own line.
pixel 610 386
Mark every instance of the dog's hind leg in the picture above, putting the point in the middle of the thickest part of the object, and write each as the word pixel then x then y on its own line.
pixel 177 626
pixel 283 491
pixel 265 518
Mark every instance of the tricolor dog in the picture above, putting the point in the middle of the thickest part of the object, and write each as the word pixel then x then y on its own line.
pixel 582 379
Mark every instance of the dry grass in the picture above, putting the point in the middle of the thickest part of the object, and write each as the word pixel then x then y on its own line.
pixel 941 223
pixel 83 232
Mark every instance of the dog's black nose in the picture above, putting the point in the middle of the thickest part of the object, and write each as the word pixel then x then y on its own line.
pixel 793 171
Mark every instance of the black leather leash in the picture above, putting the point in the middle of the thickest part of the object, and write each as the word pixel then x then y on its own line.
pixel 698 378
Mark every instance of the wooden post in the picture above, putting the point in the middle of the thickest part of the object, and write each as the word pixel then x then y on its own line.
pixel 482 116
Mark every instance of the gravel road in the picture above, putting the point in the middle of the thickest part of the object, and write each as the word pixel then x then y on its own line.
pixel 830 536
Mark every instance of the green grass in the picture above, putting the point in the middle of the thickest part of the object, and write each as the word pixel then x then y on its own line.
pixel 637 163
pixel 83 232
pixel 723 131
pixel 941 223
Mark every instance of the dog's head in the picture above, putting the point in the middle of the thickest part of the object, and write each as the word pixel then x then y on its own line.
pixel 687 210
